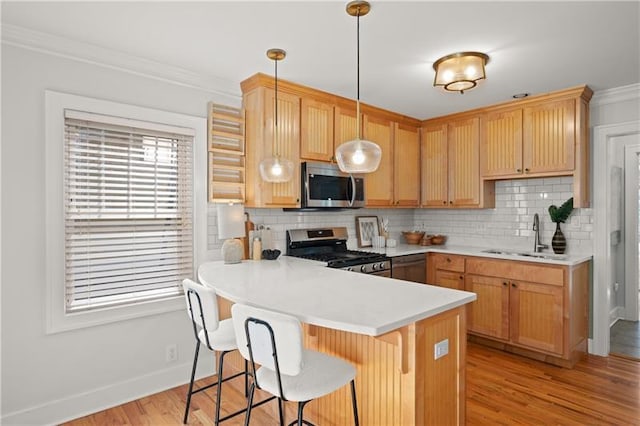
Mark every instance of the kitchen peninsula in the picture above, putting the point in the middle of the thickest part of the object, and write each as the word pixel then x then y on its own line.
pixel 387 328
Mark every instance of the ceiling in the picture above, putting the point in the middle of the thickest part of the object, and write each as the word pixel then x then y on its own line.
pixel 535 47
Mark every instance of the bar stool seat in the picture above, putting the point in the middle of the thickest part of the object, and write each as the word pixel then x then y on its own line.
pixel 223 339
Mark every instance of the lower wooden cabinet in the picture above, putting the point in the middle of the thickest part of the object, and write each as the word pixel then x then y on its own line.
pixel 534 309
pixel 445 270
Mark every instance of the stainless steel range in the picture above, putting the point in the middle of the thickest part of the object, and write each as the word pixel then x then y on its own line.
pixel 330 245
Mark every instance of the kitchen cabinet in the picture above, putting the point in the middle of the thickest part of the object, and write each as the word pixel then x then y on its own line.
pixel 446 270
pixel 546 135
pixel 259 106
pixel 316 130
pixel 535 309
pixel 450 165
pixel 379 184
pixel 406 166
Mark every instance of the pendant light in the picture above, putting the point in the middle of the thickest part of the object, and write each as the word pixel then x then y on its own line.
pixel 276 169
pixel 358 155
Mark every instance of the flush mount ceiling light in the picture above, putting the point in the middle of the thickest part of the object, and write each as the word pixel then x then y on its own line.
pixel 460 71
pixel 358 155
pixel 276 169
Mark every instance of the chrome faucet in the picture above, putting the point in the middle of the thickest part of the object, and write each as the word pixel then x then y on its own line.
pixel 537 245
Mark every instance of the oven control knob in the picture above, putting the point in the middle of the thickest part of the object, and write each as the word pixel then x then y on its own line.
pixel 363 268
pixel 374 266
pixel 349 269
pixel 382 265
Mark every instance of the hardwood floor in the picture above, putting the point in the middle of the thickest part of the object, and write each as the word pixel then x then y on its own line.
pixel 502 389
pixel 625 339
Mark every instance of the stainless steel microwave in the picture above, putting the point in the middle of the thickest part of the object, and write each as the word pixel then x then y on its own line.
pixel 325 185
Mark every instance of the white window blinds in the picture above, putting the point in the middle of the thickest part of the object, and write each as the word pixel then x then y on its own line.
pixel 128 189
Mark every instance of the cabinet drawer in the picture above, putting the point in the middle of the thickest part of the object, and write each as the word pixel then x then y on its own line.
pixel 514 270
pixel 448 262
pixel 450 279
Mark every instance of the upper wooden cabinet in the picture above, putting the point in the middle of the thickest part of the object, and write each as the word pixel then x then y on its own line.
pixel 316 130
pixel 379 184
pixel 259 105
pixel 545 135
pixel 406 166
pixel 450 165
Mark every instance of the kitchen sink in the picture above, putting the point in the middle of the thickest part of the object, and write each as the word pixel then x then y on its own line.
pixel 527 254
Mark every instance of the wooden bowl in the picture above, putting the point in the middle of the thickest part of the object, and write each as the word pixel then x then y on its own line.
pixel 412 237
pixel 438 239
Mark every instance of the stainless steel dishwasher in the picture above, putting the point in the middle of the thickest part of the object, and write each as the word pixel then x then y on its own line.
pixel 411 267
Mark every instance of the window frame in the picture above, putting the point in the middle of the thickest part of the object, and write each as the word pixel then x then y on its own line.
pixel 57 320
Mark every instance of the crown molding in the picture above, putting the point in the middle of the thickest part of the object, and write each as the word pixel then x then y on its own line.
pixel 616 95
pixel 14 35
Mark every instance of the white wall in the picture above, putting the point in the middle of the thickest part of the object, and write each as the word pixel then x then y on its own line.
pixel 51 378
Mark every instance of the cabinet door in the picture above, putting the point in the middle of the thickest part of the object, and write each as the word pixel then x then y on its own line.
pixel 449 279
pixel 345 125
pixel 379 184
pixel 464 163
pixel 537 316
pixel 501 143
pixel 549 137
pixel 287 145
pixel 489 313
pixel 316 130
pixel 434 172
pixel 406 166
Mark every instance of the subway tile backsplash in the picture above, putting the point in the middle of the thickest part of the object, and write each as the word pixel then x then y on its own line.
pixel 508 225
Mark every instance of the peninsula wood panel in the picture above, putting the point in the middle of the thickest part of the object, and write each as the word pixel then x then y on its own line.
pixel 537 316
pixel 549 137
pixel 406 190
pixel 464 162
pixel 489 313
pixel 316 130
pixel 501 143
pixel 398 381
pixel 379 184
pixel 434 171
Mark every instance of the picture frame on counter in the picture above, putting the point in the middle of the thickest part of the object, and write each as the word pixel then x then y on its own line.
pixel 366 229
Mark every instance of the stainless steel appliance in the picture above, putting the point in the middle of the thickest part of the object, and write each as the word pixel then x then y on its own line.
pixel 330 245
pixel 411 267
pixel 325 186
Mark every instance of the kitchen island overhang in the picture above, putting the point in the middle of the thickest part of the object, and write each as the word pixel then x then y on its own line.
pixel 387 328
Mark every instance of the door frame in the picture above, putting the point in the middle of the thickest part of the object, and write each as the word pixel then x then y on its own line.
pixel 631 159
pixel 602 287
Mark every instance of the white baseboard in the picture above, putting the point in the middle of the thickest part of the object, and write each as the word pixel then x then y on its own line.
pixel 615 314
pixel 93 401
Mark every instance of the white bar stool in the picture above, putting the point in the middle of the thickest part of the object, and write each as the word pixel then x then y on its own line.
pixel 288 371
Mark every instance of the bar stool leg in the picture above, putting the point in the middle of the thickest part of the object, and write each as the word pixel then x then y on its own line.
pixel 280 411
pixel 219 393
pixel 249 404
pixel 193 375
pixel 356 421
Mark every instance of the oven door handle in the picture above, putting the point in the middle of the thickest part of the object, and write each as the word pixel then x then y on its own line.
pixel 353 191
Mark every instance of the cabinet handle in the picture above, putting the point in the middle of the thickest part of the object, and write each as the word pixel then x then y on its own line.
pixel 450 202
pixel 526 170
pixel 444 202
pixel 518 170
pixel 448 260
pixel 513 285
pixel 504 283
pixel 461 277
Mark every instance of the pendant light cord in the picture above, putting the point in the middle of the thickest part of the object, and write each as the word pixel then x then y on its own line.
pixel 358 74
pixel 275 130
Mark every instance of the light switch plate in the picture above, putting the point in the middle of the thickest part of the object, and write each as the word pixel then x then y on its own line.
pixel 440 349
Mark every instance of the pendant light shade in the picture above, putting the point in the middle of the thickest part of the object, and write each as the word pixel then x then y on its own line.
pixel 358 155
pixel 276 169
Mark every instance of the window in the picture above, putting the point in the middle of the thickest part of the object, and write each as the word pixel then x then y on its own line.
pixel 128 210
pixel 129 206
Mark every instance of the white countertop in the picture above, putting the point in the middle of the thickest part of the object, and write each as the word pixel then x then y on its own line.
pixel 331 298
pixel 405 249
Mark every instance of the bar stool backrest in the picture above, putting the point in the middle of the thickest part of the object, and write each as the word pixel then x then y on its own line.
pixel 202 307
pixel 266 329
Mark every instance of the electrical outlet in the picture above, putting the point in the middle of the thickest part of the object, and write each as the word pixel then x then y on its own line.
pixel 171 353
pixel 440 349
pixel 616 287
